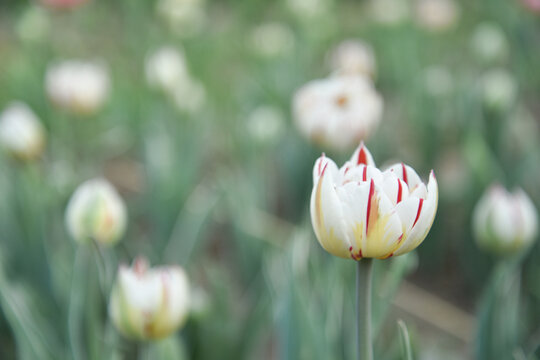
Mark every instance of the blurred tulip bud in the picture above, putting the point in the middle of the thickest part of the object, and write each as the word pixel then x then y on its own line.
pixel 63 4
pixel 34 24
pixel 165 68
pixel 96 212
pixel 489 43
pixel 272 40
pixel 390 12
pixel 21 132
pixel 358 211
pixel 77 86
pixel 437 15
pixel 505 223
pixel 265 124
pixel 532 5
pixel 149 303
pixel 499 90
pixel 308 9
pixel 338 111
pixel 185 18
pixel 353 57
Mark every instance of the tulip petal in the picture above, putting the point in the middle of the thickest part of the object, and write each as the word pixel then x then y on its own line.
pixel 362 156
pixel 407 174
pixel 327 216
pixel 417 216
pixel 321 164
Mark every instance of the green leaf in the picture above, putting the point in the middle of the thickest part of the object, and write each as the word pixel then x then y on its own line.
pixel 405 340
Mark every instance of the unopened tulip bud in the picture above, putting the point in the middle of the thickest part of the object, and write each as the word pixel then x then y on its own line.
pixel 359 211
pixel 499 90
pixel 489 43
pixel 165 68
pixel 437 15
pixel 96 212
pixel 149 303
pixel 21 132
pixel 353 57
pixel 77 86
pixel 503 222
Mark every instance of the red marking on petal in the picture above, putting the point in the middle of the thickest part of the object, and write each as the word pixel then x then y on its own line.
pixel 320 163
pixel 372 207
pixel 418 212
pixel 346 170
pixel 404 170
pixel 400 238
pixel 388 256
pixel 364 174
pixel 362 156
pixel 399 192
pixel 324 169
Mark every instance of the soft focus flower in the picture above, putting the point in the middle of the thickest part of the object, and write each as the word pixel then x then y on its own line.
pixel 184 17
pixel 532 5
pixel 489 42
pixel 438 81
pixel 165 68
pixel 359 211
pixel 504 222
pixel 80 87
pixel 338 111
pixel 353 57
pixel 272 39
pixel 389 12
pixel 308 9
pixel 21 132
pixel 149 303
pixel 437 15
pixel 34 24
pixel 499 89
pixel 96 212
pixel 266 123
pixel 63 4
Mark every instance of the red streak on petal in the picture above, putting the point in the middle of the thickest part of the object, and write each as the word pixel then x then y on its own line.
pixel 320 163
pixel 388 256
pixel 370 200
pixel 400 238
pixel 418 212
pixel 362 156
pixel 346 170
pixel 404 170
pixel 364 174
pixel 399 192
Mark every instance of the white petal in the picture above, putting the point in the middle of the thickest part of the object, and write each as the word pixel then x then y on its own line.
pixel 327 216
pixel 407 174
pixel 362 156
pixel 423 218
pixel 321 164
pixel 394 188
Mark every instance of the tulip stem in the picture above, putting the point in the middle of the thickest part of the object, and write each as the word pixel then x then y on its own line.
pixel 364 276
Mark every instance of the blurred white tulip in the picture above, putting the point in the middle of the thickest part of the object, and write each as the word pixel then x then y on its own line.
pixel 96 212
pixel 437 15
pixel 184 18
pixel 21 132
pixel 338 111
pixel 149 303
pixel 489 43
pixel 499 89
pixel 503 222
pixel 353 57
pixel 272 40
pixel 80 87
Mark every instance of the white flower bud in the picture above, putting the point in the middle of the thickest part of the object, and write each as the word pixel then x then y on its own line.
pixel 96 212
pixel 77 86
pixel 21 132
pixel 489 42
pixel 503 222
pixel 272 40
pixel 149 303
pixel 499 89
pixel 353 57
pixel 437 15
pixel 165 68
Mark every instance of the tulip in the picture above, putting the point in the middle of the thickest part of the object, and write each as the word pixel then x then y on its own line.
pixel 96 212
pixel 21 132
pixel 184 18
pixel 149 303
pixel 272 40
pixel 77 86
pixel 437 15
pixel 489 43
pixel 338 111
pixel 358 211
pixel 499 90
pixel 503 222
pixel 353 57
pixel 165 68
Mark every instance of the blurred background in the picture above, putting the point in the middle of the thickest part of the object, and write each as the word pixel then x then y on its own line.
pixel 217 177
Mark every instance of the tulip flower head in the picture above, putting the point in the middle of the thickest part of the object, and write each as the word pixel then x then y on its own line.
pixel 149 303
pixel 21 132
pixel 77 86
pixel 503 222
pixel 96 212
pixel 359 211
pixel 338 111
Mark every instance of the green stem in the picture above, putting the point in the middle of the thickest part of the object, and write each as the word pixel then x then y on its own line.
pixel 364 276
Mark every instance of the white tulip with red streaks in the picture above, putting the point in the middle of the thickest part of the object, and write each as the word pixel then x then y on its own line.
pixel 359 211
